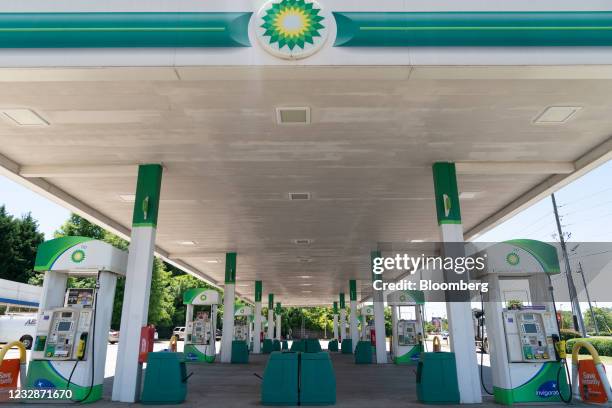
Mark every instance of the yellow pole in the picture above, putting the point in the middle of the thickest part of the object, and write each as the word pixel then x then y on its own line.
pixel 22 358
pixel 598 365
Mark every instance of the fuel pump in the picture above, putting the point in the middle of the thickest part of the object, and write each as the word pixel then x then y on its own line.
pixel 242 334
pixel 200 330
pixel 368 332
pixel 407 326
pixel 242 324
pixel 69 351
pixel 522 329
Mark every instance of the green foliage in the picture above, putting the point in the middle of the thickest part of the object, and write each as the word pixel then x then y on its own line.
pixel 567 321
pixel 603 345
pixel 19 239
pixel 603 316
pixel 567 334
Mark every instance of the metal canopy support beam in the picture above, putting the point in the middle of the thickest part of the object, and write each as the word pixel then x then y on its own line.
pixel 87 171
pixel 493 168
pixel 126 387
pixel 458 307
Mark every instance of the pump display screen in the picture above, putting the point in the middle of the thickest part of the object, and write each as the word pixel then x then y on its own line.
pixel 64 326
pixel 530 328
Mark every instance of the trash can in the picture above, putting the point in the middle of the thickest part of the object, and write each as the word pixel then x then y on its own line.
pixel 165 379
pixel 437 378
pixel 280 379
pixel 317 379
pixel 332 345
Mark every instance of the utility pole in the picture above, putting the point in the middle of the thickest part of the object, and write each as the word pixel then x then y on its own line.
pixel 568 272
pixel 589 299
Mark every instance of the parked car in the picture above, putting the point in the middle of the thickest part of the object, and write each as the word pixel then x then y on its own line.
pixel 444 335
pixel 20 327
pixel 113 336
pixel 179 332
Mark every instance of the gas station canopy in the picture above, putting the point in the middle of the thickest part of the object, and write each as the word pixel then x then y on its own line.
pixel 300 166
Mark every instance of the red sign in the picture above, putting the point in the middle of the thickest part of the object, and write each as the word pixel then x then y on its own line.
pixel 9 374
pixel 147 337
pixel 591 387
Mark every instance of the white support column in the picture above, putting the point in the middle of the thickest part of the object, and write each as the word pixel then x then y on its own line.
pixel 353 317
pixel 257 320
pixel 134 314
pixel 278 322
pixel 335 323
pixel 342 317
pixel 270 316
pixel 379 318
pixel 459 313
pixel 229 296
pixel 395 311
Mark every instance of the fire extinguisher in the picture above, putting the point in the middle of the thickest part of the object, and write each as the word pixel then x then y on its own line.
pixel 373 336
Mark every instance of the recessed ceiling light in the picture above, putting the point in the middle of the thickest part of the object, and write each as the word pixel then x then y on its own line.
pixel 307 291
pixel 302 241
pixel 128 198
pixel 187 243
pixel 299 115
pixel 304 259
pixel 299 196
pixel 305 284
pixel 417 240
pixel 305 276
pixel 467 195
pixel 556 114
pixel 24 117
pixel 212 261
pixel 242 284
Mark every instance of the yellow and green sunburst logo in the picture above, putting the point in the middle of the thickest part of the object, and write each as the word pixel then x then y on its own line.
pixel 78 256
pixel 513 259
pixel 292 28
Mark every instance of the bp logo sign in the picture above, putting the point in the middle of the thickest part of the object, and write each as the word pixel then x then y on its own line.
pixel 202 297
pixel 292 29
pixel 78 256
pixel 513 259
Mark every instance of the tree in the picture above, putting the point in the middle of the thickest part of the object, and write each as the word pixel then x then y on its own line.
pixel 603 315
pixel 19 239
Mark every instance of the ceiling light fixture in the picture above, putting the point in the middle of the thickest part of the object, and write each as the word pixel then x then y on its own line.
pixel 302 241
pixel 305 276
pixel 299 196
pixel 305 284
pixel 24 117
pixel 187 243
pixel 417 240
pixel 556 114
pixel 128 198
pixel 212 261
pixel 299 115
pixel 467 195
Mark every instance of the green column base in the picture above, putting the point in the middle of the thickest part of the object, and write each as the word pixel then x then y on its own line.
pixel 347 346
pixel 332 345
pixel 165 379
pixel 280 380
pixel 363 352
pixel 437 379
pixel 240 352
pixel 268 346
pixel 276 346
pixel 317 379
pixel 298 345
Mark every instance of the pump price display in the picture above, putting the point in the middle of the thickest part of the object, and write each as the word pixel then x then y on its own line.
pixel 39 393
